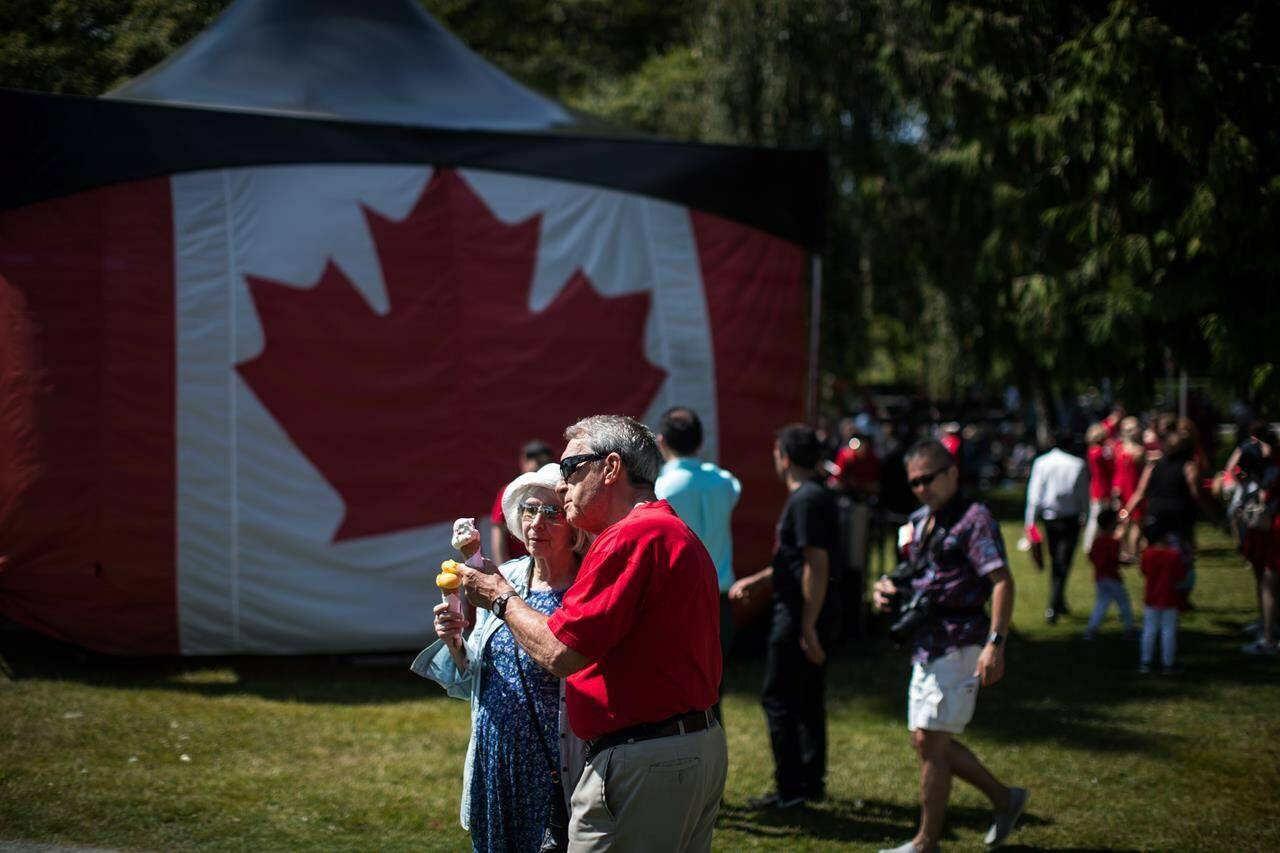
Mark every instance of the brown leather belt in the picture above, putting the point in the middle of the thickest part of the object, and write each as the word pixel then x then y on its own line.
pixel 681 724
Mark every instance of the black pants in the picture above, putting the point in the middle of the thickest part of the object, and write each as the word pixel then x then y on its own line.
pixel 1062 535
pixel 794 706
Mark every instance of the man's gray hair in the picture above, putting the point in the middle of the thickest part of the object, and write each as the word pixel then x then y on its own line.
pixel 627 437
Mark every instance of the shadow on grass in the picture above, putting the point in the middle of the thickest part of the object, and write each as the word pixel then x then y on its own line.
pixel 329 679
pixel 1060 689
pixel 855 820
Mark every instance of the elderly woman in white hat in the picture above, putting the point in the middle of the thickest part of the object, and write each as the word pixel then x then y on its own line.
pixel 522 754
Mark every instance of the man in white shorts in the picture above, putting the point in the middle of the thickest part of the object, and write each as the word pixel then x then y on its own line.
pixel 957 561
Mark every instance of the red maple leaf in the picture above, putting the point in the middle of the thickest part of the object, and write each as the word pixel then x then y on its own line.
pixel 417 417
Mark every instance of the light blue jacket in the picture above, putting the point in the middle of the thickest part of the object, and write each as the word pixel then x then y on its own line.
pixel 436 663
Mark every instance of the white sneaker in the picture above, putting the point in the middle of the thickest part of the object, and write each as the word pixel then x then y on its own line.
pixel 909 847
pixel 1002 823
pixel 1260 647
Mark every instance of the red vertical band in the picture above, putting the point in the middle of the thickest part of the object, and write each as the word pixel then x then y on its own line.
pixel 755 300
pixel 87 394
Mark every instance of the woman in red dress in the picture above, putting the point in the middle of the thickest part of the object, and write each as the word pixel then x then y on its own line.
pixel 1101 460
pixel 1130 458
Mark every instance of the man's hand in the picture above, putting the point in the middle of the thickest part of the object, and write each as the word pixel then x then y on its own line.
pixel 990 665
pixel 812 647
pixel 882 594
pixel 484 586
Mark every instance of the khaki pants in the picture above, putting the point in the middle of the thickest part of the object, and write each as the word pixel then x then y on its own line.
pixel 656 795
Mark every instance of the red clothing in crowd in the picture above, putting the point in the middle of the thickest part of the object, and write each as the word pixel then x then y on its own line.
pixel 515 548
pixel 858 467
pixel 1164 569
pixel 1101 469
pixel 1127 471
pixel 1105 556
pixel 645 609
pixel 951 442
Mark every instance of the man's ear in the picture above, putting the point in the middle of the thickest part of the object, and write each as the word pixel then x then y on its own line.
pixel 613 469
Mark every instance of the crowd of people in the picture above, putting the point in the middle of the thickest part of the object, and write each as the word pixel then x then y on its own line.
pixel 593 662
pixel 1136 493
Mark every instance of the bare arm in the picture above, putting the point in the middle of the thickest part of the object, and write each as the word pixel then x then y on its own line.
pixel 1192 472
pixel 813 586
pixel 1139 493
pixel 991 661
pixel 744 588
pixel 1220 479
pixel 529 627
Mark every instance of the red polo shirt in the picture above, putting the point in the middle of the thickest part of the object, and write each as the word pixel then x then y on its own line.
pixel 645 609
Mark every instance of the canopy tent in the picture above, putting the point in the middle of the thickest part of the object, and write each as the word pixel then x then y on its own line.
pixel 387 62
pixel 258 350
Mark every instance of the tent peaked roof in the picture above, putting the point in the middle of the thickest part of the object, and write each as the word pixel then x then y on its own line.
pixel 386 61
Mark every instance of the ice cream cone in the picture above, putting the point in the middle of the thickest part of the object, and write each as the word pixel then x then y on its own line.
pixel 466 539
pixel 450 585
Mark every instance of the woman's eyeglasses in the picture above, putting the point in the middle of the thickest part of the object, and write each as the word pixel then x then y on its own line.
pixel 926 479
pixel 550 514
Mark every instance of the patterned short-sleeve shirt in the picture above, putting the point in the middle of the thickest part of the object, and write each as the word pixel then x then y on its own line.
pixel 955 579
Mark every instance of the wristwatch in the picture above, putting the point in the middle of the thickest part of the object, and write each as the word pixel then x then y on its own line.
pixel 499 606
pixel 995 639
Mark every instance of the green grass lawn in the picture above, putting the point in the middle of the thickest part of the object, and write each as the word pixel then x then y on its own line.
pixel 282 754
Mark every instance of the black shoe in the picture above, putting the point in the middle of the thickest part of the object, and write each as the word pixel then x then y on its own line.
pixel 772 800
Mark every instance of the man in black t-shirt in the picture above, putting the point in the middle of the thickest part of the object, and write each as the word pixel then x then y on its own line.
pixel 806 563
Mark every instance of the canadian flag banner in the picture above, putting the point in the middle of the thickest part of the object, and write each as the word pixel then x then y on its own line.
pixel 240 408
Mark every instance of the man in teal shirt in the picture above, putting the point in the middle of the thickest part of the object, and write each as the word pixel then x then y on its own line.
pixel 703 494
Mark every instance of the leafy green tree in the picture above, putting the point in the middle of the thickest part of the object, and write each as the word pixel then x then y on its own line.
pixel 1166 157
pixel 1022 191
pixel 1028 191
pixel 86 47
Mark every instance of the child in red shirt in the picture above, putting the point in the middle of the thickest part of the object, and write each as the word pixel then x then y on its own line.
pixel 1104 553
pixel 1164 568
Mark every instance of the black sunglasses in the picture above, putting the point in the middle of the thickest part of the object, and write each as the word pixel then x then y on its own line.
pixel 569 464
pixel 926 479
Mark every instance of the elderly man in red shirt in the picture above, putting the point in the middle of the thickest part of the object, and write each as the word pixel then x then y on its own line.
pixel 638 641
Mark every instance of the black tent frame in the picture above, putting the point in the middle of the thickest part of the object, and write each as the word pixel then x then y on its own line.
pixel 69 144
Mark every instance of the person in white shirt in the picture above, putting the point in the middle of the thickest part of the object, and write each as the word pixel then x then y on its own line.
pixel 1058 495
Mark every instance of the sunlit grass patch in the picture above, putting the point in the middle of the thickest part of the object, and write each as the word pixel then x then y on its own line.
pixel 317 753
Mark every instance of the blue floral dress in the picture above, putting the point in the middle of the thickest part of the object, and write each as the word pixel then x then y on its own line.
pixel 510 783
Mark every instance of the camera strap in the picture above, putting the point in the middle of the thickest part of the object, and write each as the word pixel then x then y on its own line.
pixel 935 530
